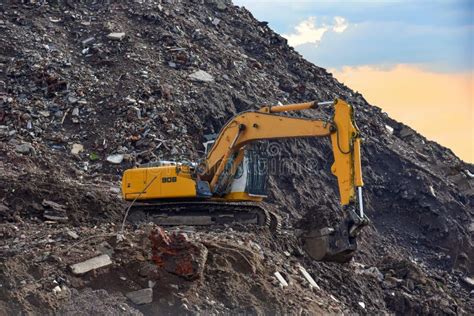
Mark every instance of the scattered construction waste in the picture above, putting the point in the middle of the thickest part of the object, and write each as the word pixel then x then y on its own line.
pixel 89 89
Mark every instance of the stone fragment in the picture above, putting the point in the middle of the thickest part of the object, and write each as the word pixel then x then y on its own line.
pixel 116 36
pixel 406 131
pixel 88 41
pixel 202 76
pixel 216 21
pixel 91 264
pixel 140 297
pixel 25 148
pixel 389 129
pixel 44 113
pixel 469 282
pixel 76 149
pixel 72 234
pixel 115 159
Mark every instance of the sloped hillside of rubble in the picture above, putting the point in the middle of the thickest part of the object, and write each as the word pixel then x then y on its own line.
pixel 90 88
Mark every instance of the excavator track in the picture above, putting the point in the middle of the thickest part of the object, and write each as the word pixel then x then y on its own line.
pixel 204 213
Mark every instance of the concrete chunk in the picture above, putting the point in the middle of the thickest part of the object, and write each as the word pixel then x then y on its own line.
pixel 143 296
pixel 309 278
pixel 91 264
pixel 201 75
pixel 281 279
pixel 116 36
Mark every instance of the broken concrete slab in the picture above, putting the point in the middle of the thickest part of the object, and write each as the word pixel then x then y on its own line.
pixel 91 264
pixel 308 278
pixel 140 297
pixel 201 75
pixel 280 278
pixel 116 36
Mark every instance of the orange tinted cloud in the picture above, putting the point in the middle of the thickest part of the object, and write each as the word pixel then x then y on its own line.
pixel 438 105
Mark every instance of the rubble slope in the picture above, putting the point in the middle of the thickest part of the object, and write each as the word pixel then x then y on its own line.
pixel 90 88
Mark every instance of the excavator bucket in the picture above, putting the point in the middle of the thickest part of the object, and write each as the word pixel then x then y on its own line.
pixel 334 244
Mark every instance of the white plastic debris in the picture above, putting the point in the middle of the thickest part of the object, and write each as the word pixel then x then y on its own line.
pixel 432 191
pixel 389 129
pixel 280 278
pixel 362 304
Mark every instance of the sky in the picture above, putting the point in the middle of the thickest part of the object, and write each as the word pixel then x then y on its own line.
pixel 414 59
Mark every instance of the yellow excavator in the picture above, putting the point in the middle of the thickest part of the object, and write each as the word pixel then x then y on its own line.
pixel 227 185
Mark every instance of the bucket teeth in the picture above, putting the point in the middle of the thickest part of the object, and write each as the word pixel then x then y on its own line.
pixel 334 244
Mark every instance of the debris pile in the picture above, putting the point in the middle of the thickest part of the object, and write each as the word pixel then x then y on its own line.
pixel 90 88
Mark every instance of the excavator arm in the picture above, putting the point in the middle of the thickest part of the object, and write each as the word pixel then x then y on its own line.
pixel 332 244
pixel 266 124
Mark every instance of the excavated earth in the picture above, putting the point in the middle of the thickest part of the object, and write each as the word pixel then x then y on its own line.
pixel 78 105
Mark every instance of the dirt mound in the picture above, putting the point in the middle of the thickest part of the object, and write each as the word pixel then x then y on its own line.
pixel 90 88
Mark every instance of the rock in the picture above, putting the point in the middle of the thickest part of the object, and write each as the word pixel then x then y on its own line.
pixel 57 289
pixel 372 271
pixel 216 21
pixel 469 174
pixel 410 284
pixel 220 4
pixel 116 36
pixel 24 148
pixel 91 264
pixel 76 149
pixel 432 191
pixel 406 131
pixel 44 113
pixel 140 297
pixel 75 112
pixel 469 282
pixel 105 248
pixel 391 282
pixel 201 75
pixel 72 234
pixel 115 159
pixel 88 41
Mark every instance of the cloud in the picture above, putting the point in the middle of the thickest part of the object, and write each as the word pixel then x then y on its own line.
pixel 340 24
pixel 309 32
pixel 444 49
pixel 425 100
pixel 306 32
